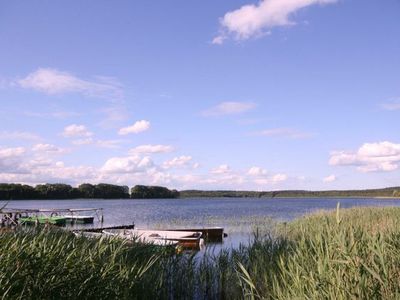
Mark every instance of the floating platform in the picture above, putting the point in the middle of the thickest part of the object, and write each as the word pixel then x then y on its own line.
pixel 101 229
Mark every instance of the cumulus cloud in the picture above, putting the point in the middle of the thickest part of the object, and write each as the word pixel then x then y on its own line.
pixel 229 108
pixel 130 164
pixel 271 180
pixel 8 153
pixel 284 132
pixel 256 171
pixel 370 157
pixel 260 176
pixel 75 130
pixel 137 127
pixel 11 160
pixel 37 166
pixel 149 149
pixel 254 20
pixel 176 162
pixel 52 81
pixel 330 178
pixel 221 169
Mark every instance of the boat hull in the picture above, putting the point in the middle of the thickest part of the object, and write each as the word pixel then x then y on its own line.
pixel 186 240
pixel 79 219
pixel 60 221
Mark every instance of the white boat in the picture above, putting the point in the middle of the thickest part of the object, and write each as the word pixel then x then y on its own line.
pixel 187 239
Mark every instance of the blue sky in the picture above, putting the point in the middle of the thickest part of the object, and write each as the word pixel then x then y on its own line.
pixel 275 94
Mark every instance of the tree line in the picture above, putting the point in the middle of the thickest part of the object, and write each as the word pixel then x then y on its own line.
pixel 367 193
pixel 12 191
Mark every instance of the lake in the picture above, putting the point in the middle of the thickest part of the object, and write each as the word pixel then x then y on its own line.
pixel 239 216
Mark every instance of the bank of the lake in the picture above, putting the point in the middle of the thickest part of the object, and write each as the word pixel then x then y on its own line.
pixel 340 254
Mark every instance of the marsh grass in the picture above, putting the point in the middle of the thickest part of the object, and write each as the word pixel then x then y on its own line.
pixel 342 254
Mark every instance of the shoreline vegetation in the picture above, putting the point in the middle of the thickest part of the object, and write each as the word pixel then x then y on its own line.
pixel 343 254
pixel 59 191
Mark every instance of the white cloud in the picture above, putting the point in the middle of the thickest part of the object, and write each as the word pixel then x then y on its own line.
pixel 7 153
pixel 260 176
pixel 138 127
pixel 370 157
pixel 148 149
pixel 271 180
pixel 255 20
pixel 52 81
pixel 60 164
pixel 130 164
pixel 284 132
pixel 37 166
pixel 11 160
pixel 229 108
pixel 256 171
pixel 75 130
pixel 218 40
pixel 330 178
pixel 279 178
pixel 181 161
pixel 221 169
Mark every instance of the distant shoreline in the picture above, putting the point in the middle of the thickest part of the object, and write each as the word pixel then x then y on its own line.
pixel 61 191
pixel 215 197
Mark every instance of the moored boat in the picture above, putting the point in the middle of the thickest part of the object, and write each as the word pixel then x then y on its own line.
pixel 79 219
pixel 42 220
pixel 214 234
pixel 185 239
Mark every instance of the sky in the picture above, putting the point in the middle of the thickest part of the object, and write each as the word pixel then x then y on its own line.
pixel 243 95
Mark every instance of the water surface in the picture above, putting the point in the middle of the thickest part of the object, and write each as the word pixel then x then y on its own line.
pixel 239 216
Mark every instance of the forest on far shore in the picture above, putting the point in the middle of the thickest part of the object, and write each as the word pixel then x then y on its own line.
pixel 15 191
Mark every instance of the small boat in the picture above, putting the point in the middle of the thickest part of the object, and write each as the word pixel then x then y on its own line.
pixel 42 220
pixel 212 234
pixel 185 239
pixel 79 219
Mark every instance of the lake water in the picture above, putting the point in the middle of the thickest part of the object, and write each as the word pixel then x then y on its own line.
pixel 239 216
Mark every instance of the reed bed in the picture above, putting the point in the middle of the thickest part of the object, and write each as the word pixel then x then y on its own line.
pixel 342 254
